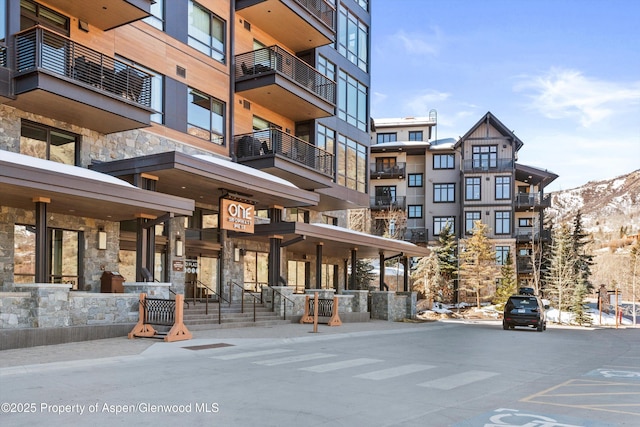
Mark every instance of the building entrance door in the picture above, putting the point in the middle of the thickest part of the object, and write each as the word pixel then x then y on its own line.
pixel 201 276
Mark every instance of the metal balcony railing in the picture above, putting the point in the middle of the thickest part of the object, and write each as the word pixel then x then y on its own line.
pixel 388 171
pixel 3 56
pixel 417 235
pixel 527 234
pixel 274 58
pixel 270 142
pixel 40 49
pixel 488 165
pixel 524 264
pixel 387 202
pixel 321 9
pixel 525 200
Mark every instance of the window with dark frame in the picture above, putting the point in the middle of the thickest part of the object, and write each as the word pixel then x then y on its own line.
pixel 525 222
pixel 472 188
pixel 45 142
pixel 439 222
pixel 205 117
pixel 485 156
pixel 415 179
pixel 415 135
pixel 503 222
pixel 443 161
pixel 414 211
pixel 444 193
pixel 502 253
pixel 206 32
pixel 386 137
pixel 503 187
pixel 469 220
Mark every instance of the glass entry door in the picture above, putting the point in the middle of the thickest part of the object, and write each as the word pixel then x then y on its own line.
pixel 201 277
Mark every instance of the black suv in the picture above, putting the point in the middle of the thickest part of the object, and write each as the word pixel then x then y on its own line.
pixel 524 310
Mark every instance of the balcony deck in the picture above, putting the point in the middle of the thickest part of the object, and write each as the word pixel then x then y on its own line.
pixel 278 80
pixel 61 79
pixel 104 14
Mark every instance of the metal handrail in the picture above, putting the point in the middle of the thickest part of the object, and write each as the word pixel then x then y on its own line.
pixel 244 291
pixel 206 300
pixel 39 48
pixel 274 290
pixel 171 291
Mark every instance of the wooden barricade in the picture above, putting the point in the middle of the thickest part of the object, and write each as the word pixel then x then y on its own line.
pixel 161 312
pixel 321 307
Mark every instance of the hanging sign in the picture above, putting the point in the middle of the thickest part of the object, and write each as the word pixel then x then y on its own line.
pixel 236 216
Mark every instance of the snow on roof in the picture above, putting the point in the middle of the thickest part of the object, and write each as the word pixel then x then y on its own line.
pixel 406 121
pixel 443 144
pixel 246 169
pixel 61 168
pixel 360 233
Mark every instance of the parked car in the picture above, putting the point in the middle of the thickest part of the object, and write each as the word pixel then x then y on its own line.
pixel 524 310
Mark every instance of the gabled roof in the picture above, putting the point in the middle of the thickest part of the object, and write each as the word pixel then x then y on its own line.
pixel 492 120
pixel 533 175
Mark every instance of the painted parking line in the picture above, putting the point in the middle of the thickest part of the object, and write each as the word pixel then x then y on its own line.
pixel 458 380
pixel 248 354
pixel 293 359
pixel 598 395
pixel 505 417
pixel 351 363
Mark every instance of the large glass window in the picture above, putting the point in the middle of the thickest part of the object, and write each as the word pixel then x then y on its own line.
pixel 353 38
pixel 297 275
pixel 472 188
pixel 503 187
pixel 48 143
pixel 470 219
pixel 386 137
pixel 156 18
pixel 415 179
pixel 503 222
pixel 439 222
pixel 205 117
pixel 352 101
pixel 256 270
pixel 485 156
pixel 32 14
pixel 329 276
pixel 502 253
pixel 443 161
pixel 206 32
pixel 157 89
pixel 415 135
pixel 62 250
pixel 443 193
pixel 351 164
pixel 327 67
pixel 414 211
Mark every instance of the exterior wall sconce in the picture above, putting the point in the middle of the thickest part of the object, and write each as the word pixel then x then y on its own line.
pixel 236 254
pixel 102 239
pixel 179 246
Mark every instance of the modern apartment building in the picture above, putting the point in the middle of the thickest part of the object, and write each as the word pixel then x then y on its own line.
pixel 458 182
pixel 210 144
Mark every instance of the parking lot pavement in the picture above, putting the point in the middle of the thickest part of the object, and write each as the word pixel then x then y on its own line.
pixel 121 346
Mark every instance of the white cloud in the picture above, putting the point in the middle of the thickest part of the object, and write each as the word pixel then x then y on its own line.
pixel 563 93
pixel 419 43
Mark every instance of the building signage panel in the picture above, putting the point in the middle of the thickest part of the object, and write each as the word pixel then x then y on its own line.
pixel 236 216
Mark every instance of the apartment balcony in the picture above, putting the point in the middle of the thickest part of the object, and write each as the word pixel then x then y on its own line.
pixel 104 14
pixel 281 82
pixel 6 93
pixel 385 203
pixel 524 265
pixel 527 201
pixel 528 234
pixel 63 80
pixel 482 165
pixel 298 24
pixel 397 171
pixel 417 235
pixel 285 156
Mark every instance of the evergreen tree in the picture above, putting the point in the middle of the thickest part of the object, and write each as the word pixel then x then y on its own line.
pixel 561 275
pixel 578 306
pixel 545 257
pixel 364 276
pixel 507 285
pixel 447 259
pixel 477 262
pixel 580 246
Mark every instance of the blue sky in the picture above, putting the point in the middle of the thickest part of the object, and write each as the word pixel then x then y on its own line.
pixel 564 75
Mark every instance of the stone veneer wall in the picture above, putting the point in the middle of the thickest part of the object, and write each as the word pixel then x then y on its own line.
pixel 387 305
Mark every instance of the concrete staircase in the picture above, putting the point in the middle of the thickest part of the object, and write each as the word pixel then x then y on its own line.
pixel 231 317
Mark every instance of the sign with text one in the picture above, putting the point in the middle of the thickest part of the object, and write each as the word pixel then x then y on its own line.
pixel 236 216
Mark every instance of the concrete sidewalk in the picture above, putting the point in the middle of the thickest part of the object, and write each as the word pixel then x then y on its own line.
pixel 113 347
